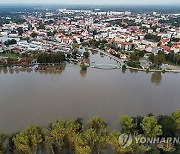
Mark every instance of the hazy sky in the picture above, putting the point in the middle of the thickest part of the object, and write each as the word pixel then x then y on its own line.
pixel 113 2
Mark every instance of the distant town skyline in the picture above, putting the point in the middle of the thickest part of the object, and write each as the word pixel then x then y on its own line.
pixel 112 2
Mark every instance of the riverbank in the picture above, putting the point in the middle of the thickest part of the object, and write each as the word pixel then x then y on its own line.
pixel 128 67
pixel 95 136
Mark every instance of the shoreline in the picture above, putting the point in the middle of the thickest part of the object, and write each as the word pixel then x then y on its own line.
pixel 128 67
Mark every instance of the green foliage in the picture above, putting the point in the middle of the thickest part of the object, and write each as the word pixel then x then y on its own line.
pixel 168 125
pixel 133 64
pixel 44 57
pixel 41 26
pixel 86 54
pixel 33 35
pixel 75 45
pixel 66 136
pixel 176 117
pixel 152 37
pixel 10 42
pixel 20 31
pixel 83 66
pixel 177 58
pixel 127 124
pixel 124 67
pixel 159 59
pixel 96 135
pixel 28 140
pixel 151 127
pixel 3 138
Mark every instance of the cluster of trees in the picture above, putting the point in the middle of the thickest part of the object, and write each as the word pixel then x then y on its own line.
pixel 50 33
pixel 44 57
pixel 173 58
pixel 152 37
pixel 33 35
pixel 98 44
pixel 173 21
pixel 134 64
pixel 128 21
pixel 161 57
pixel 136 55
pixel 10 42
pixel 94 136
pixel 157 59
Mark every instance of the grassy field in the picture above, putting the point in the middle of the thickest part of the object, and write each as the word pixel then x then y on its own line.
pixel 9 55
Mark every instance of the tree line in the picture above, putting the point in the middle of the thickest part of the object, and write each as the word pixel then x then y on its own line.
pixel 44 57
pixel 94 136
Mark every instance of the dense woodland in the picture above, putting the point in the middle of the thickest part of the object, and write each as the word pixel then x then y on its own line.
pixel 94 136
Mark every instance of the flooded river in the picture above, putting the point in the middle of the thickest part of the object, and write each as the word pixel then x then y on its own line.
pixel 28 97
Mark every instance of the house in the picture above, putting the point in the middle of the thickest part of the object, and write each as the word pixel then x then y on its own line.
pixel 124 45
pixel 111 51
pixel 149 49
pixel 176 47
pixel 123 56
pixel 164 48
pixel 164 41
pixel 25 61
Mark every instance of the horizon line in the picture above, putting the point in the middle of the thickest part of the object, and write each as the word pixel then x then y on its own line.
pixel 107 4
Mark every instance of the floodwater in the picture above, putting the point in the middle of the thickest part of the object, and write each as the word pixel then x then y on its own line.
pixel 28 97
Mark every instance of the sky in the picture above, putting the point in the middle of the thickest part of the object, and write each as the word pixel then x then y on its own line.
pixel 110 2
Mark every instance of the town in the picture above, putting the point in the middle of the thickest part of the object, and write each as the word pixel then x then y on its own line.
pixel 80 78
pixel 144 41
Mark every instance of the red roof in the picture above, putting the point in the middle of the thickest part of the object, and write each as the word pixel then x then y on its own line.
pixel 166 48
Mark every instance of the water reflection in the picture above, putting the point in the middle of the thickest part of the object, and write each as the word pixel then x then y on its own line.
pixel 133 71
pixel 156 78
pixel 5 70
pixel 123 71
pixel 52 69
pixel 83 73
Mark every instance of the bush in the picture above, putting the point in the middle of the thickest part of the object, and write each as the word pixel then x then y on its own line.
pixel 124 67
pixel 83 66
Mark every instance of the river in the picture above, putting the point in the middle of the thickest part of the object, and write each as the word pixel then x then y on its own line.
pixel 28 97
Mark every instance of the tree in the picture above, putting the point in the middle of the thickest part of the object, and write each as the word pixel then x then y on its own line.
pixel 49 33
pixel 86 54
pixel 151 57
pixel 83 66
pixel 124 67
pixel 3 138
pixel 113 140
pixel 134 56
pixel 56 135
pixel 152 37
pixel 33 35
pixel 159 59
pixel 10 42
pixel 75 45
pixel 151 127
pixel 177 58
pixel 176 117
pixel 127 124
pixel 41 26
pixel 20 31
pixel 168 125
pixel 96 135
pixel 28 141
